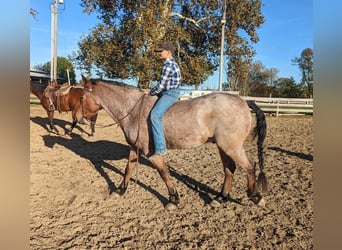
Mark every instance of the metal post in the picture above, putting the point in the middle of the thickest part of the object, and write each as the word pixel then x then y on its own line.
pixel 223 22
pixel 53 68
pixel 68 76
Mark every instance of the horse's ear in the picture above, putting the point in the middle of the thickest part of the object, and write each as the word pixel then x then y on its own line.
pixel 86 82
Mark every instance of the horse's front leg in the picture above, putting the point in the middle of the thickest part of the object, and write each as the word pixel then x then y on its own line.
pixel 159 163
pixel 52 125
pixel 130 169
pixel 92 124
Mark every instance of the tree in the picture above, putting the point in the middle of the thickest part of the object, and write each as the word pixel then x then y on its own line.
pixel 122 46
pixel 34 13
pixel 237 73
pixel 305 64
pixel 258 80
pixel 287 88
pixel 63 64
pixel 273 76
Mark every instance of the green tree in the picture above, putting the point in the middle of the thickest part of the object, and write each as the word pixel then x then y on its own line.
pixel 287 88
pixel 122 45
pixel 258 89
pixel 305 64
pixel 63 64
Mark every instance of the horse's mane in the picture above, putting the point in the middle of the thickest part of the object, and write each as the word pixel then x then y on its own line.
pixel 121 84
pixel 38 86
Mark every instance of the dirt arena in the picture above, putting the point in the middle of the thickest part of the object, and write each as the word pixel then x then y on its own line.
pixel 72 205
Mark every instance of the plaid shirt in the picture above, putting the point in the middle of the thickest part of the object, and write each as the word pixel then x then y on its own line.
pixel 170 77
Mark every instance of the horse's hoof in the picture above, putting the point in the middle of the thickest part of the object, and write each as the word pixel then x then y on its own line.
pixel 120 191
pixel 215 203
pixel 262 203
pixel 170 206
pixel 115 194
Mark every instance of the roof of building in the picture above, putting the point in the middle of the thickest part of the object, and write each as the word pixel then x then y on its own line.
pixel 41 74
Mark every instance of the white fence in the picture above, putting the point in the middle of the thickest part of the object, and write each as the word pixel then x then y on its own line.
pixel 271 105
pixel 277 106
pixel 283 105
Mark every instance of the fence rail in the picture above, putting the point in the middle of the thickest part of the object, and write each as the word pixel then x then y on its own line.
pixel 277 106
pixel 283 105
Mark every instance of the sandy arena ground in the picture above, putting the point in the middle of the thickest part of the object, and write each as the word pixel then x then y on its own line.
pixel 72 205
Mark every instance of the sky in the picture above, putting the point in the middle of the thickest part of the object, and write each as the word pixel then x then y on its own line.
pixel 286 32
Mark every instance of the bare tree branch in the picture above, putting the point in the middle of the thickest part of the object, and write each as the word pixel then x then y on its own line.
pixel 34 13
pixel 194 22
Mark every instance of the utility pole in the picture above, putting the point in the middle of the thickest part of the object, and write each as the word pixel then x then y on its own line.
pixel 53 65
pixel 54 15
pixel 223 22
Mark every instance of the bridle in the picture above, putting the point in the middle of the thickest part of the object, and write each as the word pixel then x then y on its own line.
pixel 117 120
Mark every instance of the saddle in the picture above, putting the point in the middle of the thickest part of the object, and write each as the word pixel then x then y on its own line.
pixel 54 90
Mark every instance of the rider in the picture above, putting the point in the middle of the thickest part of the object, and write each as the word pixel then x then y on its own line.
pixel 168 93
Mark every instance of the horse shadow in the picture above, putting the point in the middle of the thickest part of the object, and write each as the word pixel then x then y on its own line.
pixel 308 157
pixel 94 153
pixel 44 122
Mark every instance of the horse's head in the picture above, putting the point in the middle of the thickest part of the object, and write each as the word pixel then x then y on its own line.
pixel 90 106
pixel 53 84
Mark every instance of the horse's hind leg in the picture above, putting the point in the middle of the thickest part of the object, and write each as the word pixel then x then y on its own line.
pixel 229 169
pixel 74 122
pixel 248 166
pixel 238 155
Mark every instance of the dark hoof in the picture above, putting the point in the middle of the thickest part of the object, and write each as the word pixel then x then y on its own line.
pixel 174 198
pixel 219 200
pixel 120 191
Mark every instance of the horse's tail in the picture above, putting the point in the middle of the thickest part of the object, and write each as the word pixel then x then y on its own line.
pixel 260 131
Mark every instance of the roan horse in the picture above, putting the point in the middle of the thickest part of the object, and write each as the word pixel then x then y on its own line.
pixel 54 97
pixel 218 117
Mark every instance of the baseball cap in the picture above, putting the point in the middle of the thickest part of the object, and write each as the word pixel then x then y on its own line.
pixel 165 46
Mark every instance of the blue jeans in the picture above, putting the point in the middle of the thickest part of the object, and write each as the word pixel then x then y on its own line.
pixel 162 105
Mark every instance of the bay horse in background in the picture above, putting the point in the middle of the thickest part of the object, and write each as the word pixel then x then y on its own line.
pixel 219 117
pixel 62 98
